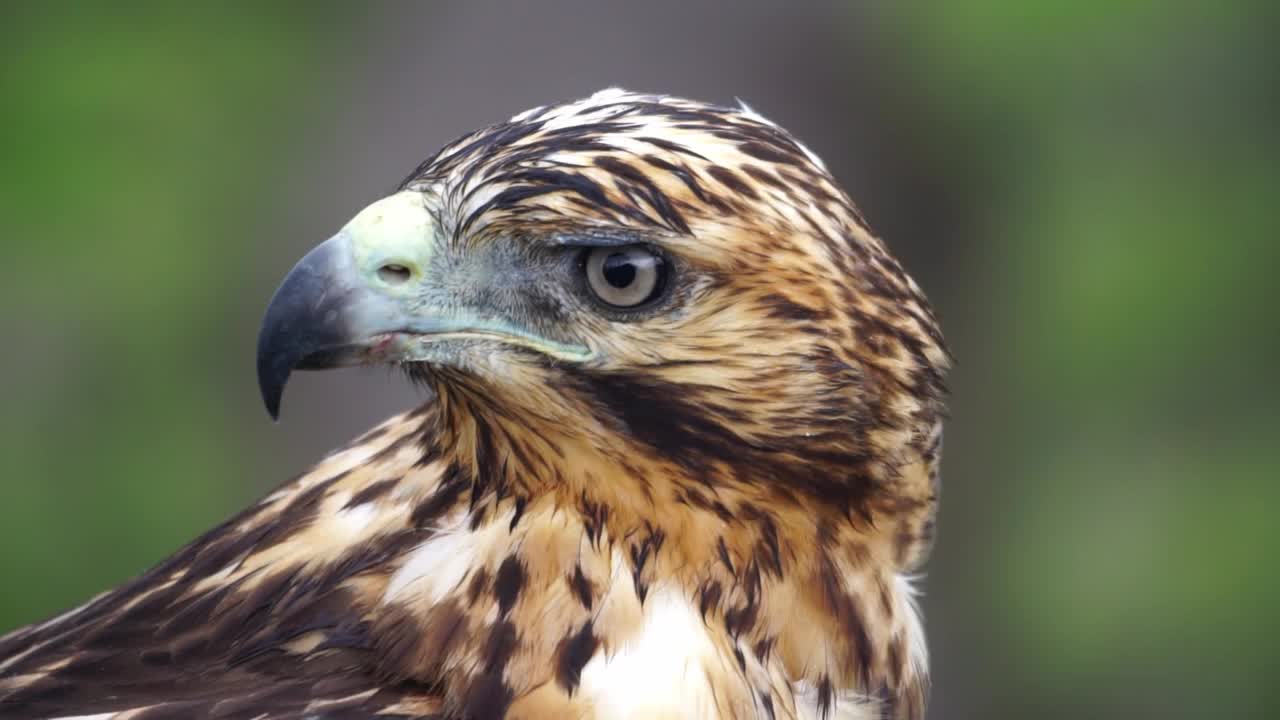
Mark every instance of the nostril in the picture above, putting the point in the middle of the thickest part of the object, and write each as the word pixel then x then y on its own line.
pixel 393 274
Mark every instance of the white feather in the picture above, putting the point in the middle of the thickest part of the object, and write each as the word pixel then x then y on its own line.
pixel 661 672
pixel 441 564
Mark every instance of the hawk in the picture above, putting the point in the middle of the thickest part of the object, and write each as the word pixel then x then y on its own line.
pixel 679 460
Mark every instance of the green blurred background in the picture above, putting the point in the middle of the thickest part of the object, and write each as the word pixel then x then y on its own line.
pixel 1086 190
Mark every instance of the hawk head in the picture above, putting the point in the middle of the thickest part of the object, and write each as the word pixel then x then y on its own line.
pixel 641 278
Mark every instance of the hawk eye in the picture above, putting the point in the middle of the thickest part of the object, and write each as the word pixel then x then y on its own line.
pixel 625 277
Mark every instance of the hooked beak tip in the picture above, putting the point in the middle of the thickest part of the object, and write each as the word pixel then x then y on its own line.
pixel 273 375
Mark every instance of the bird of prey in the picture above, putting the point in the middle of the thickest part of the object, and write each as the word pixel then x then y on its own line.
pixel 679 458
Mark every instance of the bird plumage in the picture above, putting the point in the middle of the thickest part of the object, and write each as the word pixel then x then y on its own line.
pixel 711 510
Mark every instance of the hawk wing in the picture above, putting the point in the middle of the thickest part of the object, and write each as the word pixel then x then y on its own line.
pixel 253 619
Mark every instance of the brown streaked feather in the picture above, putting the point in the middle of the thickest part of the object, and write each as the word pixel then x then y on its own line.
pixel 718 523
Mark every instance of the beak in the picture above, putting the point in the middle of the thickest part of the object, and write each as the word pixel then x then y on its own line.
pixel 343 303
pixel 371 293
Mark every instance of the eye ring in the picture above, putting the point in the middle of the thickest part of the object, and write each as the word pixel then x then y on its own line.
pixel 624 277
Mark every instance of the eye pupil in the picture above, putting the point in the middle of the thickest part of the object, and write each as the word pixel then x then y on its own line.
pixel 619 270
